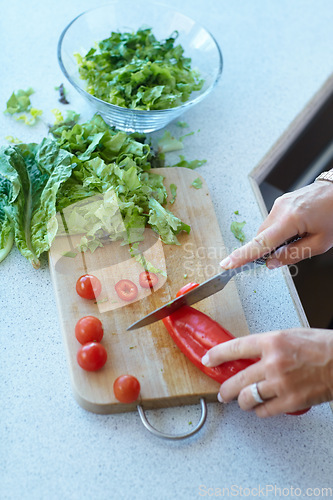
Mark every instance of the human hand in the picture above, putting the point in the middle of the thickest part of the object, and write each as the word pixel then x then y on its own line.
pixel 307 212
pixel 295 370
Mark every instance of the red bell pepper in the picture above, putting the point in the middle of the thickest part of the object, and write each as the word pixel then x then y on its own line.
pixel 195 333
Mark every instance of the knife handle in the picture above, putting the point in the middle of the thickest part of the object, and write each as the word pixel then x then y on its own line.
pixel 263 259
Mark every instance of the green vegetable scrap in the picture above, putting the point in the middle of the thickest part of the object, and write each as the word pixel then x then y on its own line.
pixel 13 140
pixel 74 163
pixel 189 164
pixel 19 103
pixel 237 230
pixel 186 135
pixel 197 183
pixel 135 70
pixel 58 116
pixel 71 255
pixel 182 124
pixel 169 143
pixel 31 118
pixel 173 191
pixel 62 94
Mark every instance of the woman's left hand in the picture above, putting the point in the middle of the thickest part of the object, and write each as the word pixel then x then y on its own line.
pixel 295 370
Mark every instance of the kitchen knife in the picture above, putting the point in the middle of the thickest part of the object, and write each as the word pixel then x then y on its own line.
pixel 204 290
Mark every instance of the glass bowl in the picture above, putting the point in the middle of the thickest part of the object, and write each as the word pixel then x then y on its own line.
pixel 96 24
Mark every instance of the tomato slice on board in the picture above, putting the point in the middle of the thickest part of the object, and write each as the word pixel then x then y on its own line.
pixel 126 290
pixel 126 388
pixel 89 329
pixel 186 288
pixel 92 356
pixel 88 286
pixel 148 280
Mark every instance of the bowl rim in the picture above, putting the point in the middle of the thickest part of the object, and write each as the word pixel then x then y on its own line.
pixel 146 112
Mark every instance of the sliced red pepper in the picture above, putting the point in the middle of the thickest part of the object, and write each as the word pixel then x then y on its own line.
pixel 195 333
pixel 186 288
pixel 299 412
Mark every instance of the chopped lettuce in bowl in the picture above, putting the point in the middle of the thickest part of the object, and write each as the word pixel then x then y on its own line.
pixel 139 65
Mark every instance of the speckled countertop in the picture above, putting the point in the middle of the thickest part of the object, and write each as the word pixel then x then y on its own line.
pixel 277 54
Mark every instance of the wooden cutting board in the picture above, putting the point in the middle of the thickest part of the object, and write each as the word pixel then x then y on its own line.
pixel 167 378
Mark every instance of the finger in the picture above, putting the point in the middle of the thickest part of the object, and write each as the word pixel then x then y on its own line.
pixel 263 243
pixel 246 399
pixel 293 253
pixel 239 348
pixel 276 406
pixel 231 388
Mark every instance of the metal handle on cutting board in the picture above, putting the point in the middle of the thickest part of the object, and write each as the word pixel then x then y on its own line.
pixel 164 435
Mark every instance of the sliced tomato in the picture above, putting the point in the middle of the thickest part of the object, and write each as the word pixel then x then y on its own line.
pixel 126 388
pixel 89 329
pixel 126 290
pixel 88 286
pixel 186 288
pixel 148 280
pixel 92 356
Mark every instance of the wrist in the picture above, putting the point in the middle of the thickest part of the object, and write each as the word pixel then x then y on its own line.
pixel 329 366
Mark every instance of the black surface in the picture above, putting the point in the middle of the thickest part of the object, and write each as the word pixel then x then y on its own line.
pixel 305 159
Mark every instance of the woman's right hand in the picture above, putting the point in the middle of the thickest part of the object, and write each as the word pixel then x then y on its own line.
pixel 307 212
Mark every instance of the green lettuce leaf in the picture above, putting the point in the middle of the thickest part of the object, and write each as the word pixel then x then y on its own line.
pixel 169 143
pixel 189 164
pixel 98 218
pixel 31 118
pixel 6 229
pixel 75 164
pixel 197 183
pixel 165 223
pixel 237 230
pixel 31 208
pixel 173 191
pixel 19 101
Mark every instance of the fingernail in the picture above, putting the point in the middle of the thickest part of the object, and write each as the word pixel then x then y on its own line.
pixel 225 263
pixel 273 263
pixel 205 360
pixel 219 397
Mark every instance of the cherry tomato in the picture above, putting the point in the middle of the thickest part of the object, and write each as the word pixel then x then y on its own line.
pixel 186 288
pixel 92 356
pixel 148 280
pixel 88 286
pixel 126 290
pixel 89 329
pixel 126 388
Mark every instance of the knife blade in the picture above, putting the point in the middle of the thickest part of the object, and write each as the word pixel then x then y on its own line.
pixel 207 288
